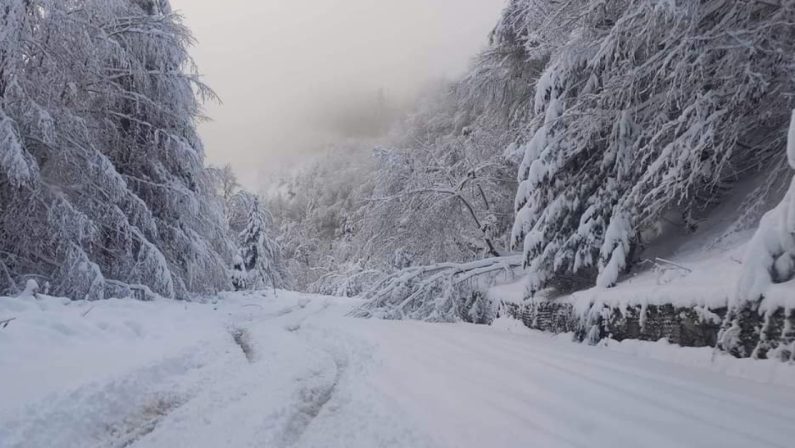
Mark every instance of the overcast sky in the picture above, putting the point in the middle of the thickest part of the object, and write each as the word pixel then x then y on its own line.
pixel 278 64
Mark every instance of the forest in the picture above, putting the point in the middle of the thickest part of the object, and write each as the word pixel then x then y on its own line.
pixel 582 133
pixel 578 138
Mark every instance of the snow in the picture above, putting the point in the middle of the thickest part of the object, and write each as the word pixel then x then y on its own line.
pixel 513 292
pixel 614 250
pixel 700 279
pixel 286 369
pixel 705 358
pixel 15 162
pixel 791 141
pixel 770 259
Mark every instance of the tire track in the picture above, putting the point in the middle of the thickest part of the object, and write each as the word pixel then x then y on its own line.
pixel 313 399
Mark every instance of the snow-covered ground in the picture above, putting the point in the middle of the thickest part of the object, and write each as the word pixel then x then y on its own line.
pixel 286 369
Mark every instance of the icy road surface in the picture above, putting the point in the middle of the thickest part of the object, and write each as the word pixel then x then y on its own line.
pixel 292 371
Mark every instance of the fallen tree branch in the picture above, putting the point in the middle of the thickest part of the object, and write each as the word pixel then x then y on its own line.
pixel 671 263
pixel 4 323
pixel 434 293
pixel 87 311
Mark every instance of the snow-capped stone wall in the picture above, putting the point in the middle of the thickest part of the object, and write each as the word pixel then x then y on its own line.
pixel 753 335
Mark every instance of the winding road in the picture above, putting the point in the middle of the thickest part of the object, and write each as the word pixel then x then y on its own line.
pixel 294 371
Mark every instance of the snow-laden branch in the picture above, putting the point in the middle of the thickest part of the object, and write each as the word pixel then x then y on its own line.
pixel 438 292
pixel 456 193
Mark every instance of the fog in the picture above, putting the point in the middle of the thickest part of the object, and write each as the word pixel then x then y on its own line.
pixel 293 74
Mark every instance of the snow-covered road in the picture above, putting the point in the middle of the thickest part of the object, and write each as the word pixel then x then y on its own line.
pixel 292 371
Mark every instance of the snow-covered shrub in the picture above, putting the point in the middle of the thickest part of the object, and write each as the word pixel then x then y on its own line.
pixel 481 310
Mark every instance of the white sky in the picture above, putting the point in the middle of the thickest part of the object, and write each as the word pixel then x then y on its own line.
pixel 276 63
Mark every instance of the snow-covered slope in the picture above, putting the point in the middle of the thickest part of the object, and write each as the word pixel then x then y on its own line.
pixel 682 268
pixel 292 370
pixel 687 279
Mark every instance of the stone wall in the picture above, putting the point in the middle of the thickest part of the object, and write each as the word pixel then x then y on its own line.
pixel 743 334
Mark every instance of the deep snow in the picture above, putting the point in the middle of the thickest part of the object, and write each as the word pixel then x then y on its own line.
pixel 286 369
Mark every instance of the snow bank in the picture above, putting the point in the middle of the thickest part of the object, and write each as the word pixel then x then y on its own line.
pixel 791 142
pixel 761 371
pixel 509 324
pixel 770 261
pixel 90 341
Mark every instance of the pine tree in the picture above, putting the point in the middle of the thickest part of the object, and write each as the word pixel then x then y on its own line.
pixel 260 254
pixel 239 277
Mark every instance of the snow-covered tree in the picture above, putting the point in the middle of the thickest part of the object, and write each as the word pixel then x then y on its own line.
pixel 261 256
pixel 226 182
pixel 239 274
pixel 767 283
pixel 644 108
pixel 316 213
pixel 102 184
pixel 769 267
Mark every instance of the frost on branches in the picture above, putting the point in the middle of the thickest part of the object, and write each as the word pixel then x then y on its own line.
pixel 103 191
pixel 644 108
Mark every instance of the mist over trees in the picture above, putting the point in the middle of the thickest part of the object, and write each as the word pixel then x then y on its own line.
pixel 580 129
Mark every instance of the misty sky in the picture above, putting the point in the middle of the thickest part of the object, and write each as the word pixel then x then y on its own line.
pixel 278 65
